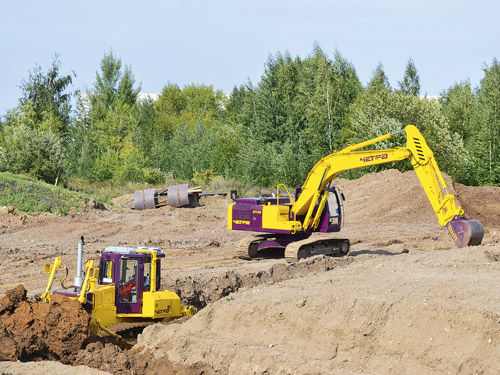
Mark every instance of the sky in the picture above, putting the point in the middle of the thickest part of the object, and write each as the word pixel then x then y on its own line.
pixel 225 43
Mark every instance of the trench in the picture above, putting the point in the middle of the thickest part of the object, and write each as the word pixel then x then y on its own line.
pixel 104 354
pixel 199 290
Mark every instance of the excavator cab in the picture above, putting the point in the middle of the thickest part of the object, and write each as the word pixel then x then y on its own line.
pixel 335 209
pixel 332 217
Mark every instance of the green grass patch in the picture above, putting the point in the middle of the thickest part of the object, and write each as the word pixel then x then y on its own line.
pixel 105 191
pixel 29 195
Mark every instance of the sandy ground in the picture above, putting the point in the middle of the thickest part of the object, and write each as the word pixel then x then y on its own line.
pixel 382 310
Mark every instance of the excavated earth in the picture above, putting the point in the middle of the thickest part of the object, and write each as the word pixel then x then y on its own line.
pixel 405 301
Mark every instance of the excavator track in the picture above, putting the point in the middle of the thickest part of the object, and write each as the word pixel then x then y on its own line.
pixel 247 247
pixel 315 246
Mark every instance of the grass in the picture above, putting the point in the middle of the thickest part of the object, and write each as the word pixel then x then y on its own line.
pixel 29 195
pixel 106 191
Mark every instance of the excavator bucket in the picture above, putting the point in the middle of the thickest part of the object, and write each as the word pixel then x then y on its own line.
pixel 466 232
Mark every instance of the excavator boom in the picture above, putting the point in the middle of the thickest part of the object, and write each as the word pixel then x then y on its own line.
pixel 464 231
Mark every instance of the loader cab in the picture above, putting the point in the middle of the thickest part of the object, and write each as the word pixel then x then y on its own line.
pixel 130 270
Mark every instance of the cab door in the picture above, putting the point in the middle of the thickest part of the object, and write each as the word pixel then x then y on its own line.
pixel 129 285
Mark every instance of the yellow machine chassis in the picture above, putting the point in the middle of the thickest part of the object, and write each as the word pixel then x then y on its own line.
pixel 156 304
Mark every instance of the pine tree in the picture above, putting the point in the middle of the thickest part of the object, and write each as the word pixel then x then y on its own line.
pixel 411 81
pixel 379 80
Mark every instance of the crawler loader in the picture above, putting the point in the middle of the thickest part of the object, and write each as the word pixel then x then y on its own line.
pixel 318 206
pixel 123 293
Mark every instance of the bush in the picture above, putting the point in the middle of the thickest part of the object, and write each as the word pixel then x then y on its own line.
pixel 33 152
pixel 153 175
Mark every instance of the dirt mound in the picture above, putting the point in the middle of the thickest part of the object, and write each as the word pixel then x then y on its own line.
pixel 109 357
pixel 481 203
pixel 201 289
pixel 34 330
pixel 388 196
pixel 408 314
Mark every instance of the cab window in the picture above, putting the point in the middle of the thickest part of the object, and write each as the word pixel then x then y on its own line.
pixel 334 209
pixel 147 275
pixel 107 271
pixel 127 283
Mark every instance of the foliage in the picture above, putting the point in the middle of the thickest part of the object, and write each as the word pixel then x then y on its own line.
pixel 379 112
pixel 30 151
pixel 153 175
pixel 410 85
pixel 264 133
pixel 29 195
pixel 379 80
pixel 102 146
pixel 485 145
pixel 458 105
pixel 45 94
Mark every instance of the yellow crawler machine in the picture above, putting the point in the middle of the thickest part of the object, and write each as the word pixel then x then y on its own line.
pixel 123 292
pixel 318 204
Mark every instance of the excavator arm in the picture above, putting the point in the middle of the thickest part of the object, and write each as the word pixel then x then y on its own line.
pixel 464 231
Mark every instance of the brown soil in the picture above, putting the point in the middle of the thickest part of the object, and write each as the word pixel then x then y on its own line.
pixel 382 310
pixel 34 330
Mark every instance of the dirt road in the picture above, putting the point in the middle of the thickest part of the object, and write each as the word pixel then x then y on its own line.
pixel 382 310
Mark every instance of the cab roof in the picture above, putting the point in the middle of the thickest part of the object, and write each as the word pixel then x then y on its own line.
pixel 131 250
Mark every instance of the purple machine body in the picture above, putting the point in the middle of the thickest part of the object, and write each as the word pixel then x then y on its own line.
pixel 117 257
pixel 247 216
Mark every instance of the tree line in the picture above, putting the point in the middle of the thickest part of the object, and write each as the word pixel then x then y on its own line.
pixel 266 133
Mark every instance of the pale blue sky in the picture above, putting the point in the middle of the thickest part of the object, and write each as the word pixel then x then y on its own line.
pixel 225 42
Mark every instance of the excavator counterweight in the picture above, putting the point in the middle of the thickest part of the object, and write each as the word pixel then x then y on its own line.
pixel 288 223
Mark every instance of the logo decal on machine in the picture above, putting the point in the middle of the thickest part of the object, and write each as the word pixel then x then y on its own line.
pixel 256 212
pixel 163 311
pixel 245 222
pixel 375 157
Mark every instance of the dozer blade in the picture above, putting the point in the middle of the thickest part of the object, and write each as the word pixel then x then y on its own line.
pixel 466 232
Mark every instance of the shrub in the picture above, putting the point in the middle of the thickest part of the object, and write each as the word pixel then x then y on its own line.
pixel 33 152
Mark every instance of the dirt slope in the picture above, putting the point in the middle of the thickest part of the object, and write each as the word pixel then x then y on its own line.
pixel 380 311
pixel 381 314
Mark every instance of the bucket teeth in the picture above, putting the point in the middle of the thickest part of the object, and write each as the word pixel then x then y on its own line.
pixel 466 232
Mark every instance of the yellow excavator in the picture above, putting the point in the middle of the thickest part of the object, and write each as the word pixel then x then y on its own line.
pixel 288 222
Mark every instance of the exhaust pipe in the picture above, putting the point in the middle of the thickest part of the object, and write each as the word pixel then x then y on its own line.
pixel 78 280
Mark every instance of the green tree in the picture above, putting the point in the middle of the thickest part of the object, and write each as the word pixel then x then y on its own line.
pixel 47 96
pixel 296 111
pixel 276 113
pixel 410 85
pixel 186 125
pixel 31 151
pixel 112 87
pixel 379 112
pixel 328 88
pixel 458 105
pixel 108 125
pixel 379 80
pixel 485 143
